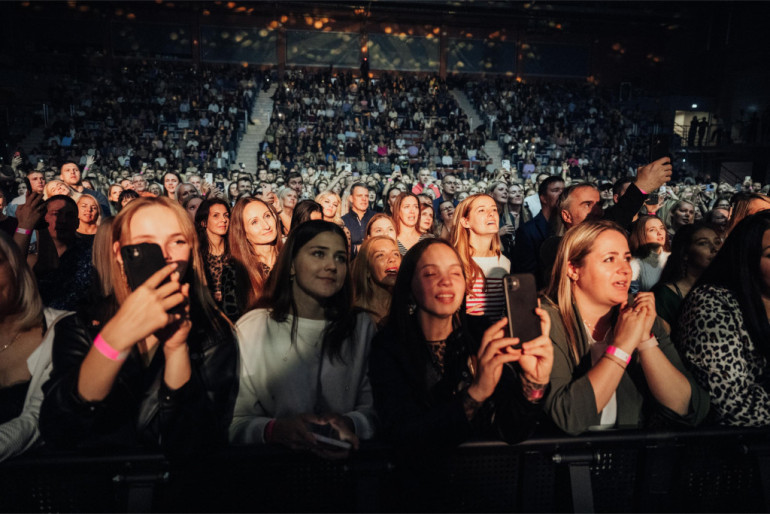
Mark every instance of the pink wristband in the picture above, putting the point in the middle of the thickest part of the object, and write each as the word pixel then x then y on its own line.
pixel 620 354
pixel 108 351
pixel 269 430
pixel 642 190
pixel 23 231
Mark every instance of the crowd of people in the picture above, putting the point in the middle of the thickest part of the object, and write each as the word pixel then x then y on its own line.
pixel 315 305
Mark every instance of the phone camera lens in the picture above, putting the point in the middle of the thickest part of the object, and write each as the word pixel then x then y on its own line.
pixel 515 284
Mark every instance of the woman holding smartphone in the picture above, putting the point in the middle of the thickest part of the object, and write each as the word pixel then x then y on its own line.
pixel 159 369
pixel 613 360
pixel 436 385
pixel 304 353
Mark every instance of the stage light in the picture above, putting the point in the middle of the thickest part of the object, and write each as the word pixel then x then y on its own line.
pixel 694 106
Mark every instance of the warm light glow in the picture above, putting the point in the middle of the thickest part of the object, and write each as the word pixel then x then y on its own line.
pixel 230 5
pixel 284 18
pixel 388 30
pixel 131 16
pixel 318 24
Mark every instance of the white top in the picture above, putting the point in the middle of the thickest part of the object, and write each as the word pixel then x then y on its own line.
pixel 21 433
pixel 278 379
pixel 489 302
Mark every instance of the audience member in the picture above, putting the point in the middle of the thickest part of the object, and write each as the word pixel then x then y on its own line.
pixel 28 330
pixel 434 384
pixel 723 331
pixel 144 375
pixel 304 353
pixel 692 250
pixel 596 330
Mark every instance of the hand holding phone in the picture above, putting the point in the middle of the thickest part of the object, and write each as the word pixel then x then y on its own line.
pixel 520 304
pixel 159 302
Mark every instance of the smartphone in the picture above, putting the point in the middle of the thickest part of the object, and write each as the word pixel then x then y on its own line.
pixel 140 262
pixel 355 173
pixel 660 147
pixel 327 436
pixel 220 185
pixel 208 177
pixel 520 304
pixel 652 199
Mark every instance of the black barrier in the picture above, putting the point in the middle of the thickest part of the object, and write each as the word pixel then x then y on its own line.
pixel 715 470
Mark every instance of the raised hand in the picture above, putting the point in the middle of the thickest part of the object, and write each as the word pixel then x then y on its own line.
pixel 146 310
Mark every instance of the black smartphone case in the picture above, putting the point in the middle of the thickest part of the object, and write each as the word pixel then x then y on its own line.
pixel 520 305
pixel 140 262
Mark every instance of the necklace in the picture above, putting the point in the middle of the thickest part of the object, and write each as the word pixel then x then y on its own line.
pixel 8 345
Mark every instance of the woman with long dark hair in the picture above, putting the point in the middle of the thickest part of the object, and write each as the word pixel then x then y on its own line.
pixel 435 385
pixel 692 250
pixel 212 222
pixel 723 331
pixel 304 353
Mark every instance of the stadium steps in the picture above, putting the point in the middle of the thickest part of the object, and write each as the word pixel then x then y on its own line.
pixel 255 134
pixel 474 119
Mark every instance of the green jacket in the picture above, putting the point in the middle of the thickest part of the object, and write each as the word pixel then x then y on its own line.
pixel 571 403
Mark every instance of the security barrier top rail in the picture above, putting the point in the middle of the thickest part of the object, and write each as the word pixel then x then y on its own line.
pixel 707 470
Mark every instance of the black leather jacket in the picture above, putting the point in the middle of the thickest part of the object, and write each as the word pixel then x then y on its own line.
pixel 419 407
pixel 140 409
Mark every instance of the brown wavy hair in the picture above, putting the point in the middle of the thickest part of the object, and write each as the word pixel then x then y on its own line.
pixel 249 267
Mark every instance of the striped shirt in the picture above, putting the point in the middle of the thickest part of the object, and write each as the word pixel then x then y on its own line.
pixel 489 302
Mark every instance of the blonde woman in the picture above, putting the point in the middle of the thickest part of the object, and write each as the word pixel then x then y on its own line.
pixel 331 204
pixel 613 359
pixel 28 331
pixel 88 217
pixel 158 367
pixel 287 198
pixel 57 187
pixel 374 274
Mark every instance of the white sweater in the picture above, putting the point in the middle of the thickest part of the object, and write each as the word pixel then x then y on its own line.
pixel 280 380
